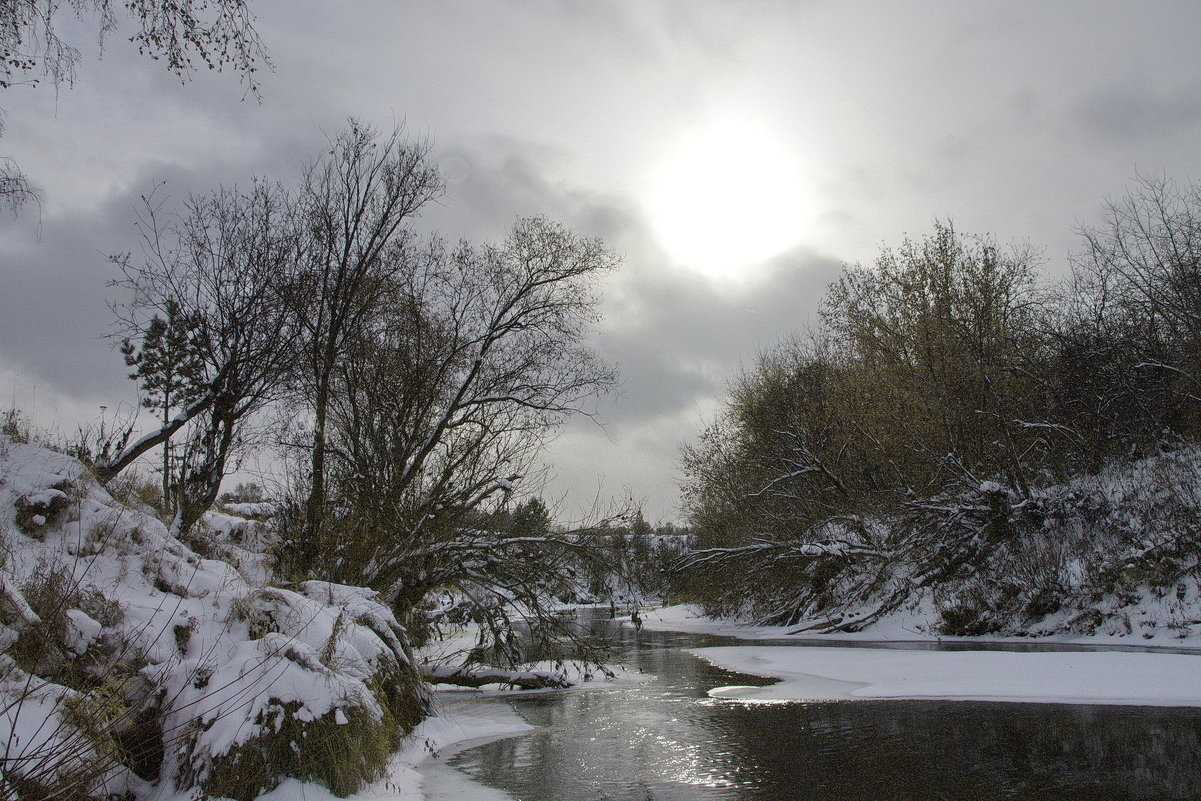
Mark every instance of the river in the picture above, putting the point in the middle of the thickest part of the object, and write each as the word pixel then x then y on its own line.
pixel 666 740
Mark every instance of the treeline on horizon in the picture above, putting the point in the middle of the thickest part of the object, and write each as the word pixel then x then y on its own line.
pixel 911 439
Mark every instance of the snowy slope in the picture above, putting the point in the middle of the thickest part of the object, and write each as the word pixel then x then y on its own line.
pixel 132 663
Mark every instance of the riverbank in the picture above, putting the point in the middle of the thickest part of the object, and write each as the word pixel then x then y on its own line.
pixel 912 626
pixel 419 772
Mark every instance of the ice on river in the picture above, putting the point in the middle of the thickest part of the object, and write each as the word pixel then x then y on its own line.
pixel 836 674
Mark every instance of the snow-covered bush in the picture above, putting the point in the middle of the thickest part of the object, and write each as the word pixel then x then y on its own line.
pixel 131 661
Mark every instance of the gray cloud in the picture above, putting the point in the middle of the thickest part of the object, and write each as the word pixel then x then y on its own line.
pixel 1141 111
pixel 680 338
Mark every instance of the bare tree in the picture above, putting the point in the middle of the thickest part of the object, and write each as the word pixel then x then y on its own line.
pixel 182 33
pixel 1135 313
pixel 924 385
pixel 446 401
pixel 222 264
pixel 356 202
pixel 16 190
pixel 937 337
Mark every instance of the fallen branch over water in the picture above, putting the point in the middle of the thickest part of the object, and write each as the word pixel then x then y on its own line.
pixel 476 677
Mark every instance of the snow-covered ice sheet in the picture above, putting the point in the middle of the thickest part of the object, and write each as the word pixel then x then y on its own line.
pixel 837 674
pixel 461 724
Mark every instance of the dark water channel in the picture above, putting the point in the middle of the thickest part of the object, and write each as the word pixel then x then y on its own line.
pixel 665 740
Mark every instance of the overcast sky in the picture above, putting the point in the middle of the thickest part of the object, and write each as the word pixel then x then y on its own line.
pixel 736 154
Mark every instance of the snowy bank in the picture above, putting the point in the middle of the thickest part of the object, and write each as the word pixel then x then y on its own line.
pixel 1113 553
pixel 135 663
pixel 916 625
pixel 844 674
pixel 419 772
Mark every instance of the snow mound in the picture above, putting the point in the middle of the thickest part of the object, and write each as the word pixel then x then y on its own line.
pixel 132 662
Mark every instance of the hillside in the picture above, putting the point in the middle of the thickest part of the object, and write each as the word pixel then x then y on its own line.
pixel 1115 554
pixel 135 663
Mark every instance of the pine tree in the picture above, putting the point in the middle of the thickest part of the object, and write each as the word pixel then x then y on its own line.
pixel 169 367
pixel 530 519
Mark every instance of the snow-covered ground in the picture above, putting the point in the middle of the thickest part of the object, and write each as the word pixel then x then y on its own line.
pixel 688 618
pixel 93 588
pixel 109 623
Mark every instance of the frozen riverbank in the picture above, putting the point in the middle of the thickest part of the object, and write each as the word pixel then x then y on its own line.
pixel 844 674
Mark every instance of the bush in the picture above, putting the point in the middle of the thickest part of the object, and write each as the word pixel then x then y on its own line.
pixel 341 750
pixel 14 426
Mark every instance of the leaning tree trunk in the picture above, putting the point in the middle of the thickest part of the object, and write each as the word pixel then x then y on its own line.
pixel 201 482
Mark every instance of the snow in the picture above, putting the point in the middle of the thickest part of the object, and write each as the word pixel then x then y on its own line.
pixel 252 509
pixel 845 674
pixel 212 640
pixel 460 724
pixel 419 772
pixel 222 651
pixel 81 632
pixel 913 624
pixel 816 673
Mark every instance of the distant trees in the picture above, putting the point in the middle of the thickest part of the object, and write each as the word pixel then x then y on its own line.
pixel 900 445
pixel 921 377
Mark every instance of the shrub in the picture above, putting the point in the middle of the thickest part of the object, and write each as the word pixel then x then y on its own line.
pixel 341 750
pixel 14 425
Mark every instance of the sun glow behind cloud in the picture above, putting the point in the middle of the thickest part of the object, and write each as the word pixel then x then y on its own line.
pixel 728 197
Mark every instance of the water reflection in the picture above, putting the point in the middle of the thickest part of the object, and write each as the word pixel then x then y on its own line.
pixel 664 740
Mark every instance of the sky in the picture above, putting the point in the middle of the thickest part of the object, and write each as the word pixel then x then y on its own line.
pixel 735 154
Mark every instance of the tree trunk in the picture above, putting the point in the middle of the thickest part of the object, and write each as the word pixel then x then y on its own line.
pixel 168 507
pixel 315 507
pixel 200 487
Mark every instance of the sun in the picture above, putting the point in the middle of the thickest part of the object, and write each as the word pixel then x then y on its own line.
pixel 729 197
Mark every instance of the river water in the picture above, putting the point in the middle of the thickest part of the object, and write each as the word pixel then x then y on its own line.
pixel 665 739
